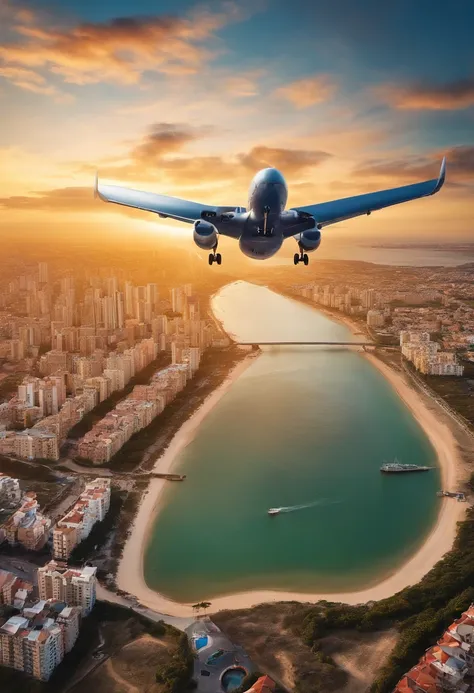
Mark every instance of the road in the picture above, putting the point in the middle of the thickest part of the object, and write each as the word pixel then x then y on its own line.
pixel 27 571
pixel 13 564
pixel 179 622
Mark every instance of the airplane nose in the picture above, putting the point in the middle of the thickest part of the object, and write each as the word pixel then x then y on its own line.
pixel 274 177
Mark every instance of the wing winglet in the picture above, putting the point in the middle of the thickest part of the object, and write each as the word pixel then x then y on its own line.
pixel 441 177
pixel 96 185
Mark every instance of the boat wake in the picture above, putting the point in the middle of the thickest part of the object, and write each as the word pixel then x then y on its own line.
pixel 294 508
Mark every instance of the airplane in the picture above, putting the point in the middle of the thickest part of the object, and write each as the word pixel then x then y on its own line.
pixel 262 227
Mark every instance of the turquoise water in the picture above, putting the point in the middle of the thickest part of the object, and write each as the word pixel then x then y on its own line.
pixel 306 426
pixel 232 679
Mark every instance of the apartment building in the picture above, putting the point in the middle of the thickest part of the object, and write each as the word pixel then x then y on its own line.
pixel 74 586
pixel 91 507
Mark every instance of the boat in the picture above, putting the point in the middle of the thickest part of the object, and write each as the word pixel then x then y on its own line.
pixel 274 511
pixel 397 468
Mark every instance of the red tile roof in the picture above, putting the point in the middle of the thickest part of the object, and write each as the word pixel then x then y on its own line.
pixel 403 686
pixel 264 685
pixel 421 675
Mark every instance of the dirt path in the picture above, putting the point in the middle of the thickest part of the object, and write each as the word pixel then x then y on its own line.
pixel 363 661
pixel 118 679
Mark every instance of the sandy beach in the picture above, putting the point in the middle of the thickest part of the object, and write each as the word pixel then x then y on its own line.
pixel 130 574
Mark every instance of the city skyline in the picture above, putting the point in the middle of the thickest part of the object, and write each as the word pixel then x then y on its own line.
pixel 192 101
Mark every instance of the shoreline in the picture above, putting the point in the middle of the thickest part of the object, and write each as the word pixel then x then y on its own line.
pixel 130 577
pixel 436 544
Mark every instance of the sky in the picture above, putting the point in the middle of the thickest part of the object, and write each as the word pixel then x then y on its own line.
pixel 192 99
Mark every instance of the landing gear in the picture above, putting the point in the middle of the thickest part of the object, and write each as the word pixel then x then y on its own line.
pixel 215 257
pixel 301 257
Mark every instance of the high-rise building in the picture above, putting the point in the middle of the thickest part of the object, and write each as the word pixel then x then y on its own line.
pixel 112 286
pixel 368 298
pixel 152 294
pixel 35 641
pixel 75 586
pixel 43 272
pixel 375 318
pixel 129 299
pixel 120 309
pixel 177 299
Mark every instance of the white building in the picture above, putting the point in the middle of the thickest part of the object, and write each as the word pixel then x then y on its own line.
pixel 375 318
pixel 75 586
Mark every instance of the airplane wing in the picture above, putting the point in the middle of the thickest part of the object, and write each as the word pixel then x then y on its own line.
pixel 163 205
pixel 327 213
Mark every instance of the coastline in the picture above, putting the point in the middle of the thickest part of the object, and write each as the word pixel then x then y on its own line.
pixel 130 577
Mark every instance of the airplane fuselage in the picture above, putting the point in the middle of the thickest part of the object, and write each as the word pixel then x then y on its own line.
pixel 262 234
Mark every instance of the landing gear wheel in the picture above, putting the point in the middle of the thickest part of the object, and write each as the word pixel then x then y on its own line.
pixel 211 258
pixel 296 258
pixel 306 259
pixel 218 258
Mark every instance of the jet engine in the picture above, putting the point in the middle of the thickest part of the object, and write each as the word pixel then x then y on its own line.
pixel 205 235
pixel 310 240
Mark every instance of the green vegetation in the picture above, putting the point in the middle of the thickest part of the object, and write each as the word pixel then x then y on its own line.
pixel 456 391
pixel 421 613
pixel 127 513
pixel 176 674
pixel 470 483
pixel 100 532
pixel 98 413
pixel 213 369
pixel 27 471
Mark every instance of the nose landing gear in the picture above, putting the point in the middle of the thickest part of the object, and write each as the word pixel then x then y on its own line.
pixel 301 257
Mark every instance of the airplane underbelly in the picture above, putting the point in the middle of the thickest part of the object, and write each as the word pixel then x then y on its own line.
pixel 260 247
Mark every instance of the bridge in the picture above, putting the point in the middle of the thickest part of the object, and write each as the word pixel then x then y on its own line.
pixel 257 344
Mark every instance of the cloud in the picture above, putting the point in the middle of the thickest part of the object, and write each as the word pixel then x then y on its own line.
pixel 460 167
pixel 161 156
pixel 243 85
pixel 450 96
pixel 120 50
pixel 163 138
pixel 32 81
pixel 290 161
pixel 59 199
pixel 308 91
pixel 150 155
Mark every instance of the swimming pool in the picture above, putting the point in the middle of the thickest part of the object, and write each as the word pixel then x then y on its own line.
pixel 201 642
pixel 232 678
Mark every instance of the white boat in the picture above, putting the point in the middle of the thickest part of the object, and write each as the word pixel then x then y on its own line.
pixel 274 511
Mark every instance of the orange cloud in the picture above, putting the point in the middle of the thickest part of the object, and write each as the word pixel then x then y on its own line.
pixel 161 155
pixel 309 91
pixel 290 161
pixel 32 81
pixel 120 50
pixel 445 97
pixel 59 199
pixel 460 167
pixel 243 85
